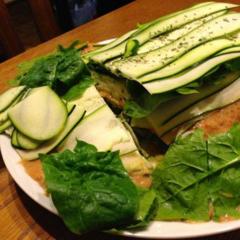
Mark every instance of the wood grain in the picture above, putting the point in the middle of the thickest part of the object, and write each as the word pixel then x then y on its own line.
pixel 20 217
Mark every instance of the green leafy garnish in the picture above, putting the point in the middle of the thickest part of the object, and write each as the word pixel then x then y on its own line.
pixel 61 71
pixel 190 88
pixel 91 190
pixel 233 65
pixel 200 179
pixel 143 103
pixel 77 90
pixel 147 208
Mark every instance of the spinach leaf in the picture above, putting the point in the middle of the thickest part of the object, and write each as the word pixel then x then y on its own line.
pixel 42 72
pixel 147 208
pixel 224 154
pixel 190 88
pixel 90 189
pixel 233 65
pixel 134 110
pixel 180 169
pixel 142 103
pixel 77 90
pixel 60 70
pixel 199 179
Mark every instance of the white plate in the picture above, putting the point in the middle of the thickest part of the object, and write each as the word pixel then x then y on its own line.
pixel 155 230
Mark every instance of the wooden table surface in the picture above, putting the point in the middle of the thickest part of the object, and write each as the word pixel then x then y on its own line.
pixel 20 217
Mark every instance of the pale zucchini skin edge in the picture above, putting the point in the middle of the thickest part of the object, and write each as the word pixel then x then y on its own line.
pixel 14 141
pixel 5 125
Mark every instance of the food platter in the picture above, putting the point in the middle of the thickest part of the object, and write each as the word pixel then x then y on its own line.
pixel 26 139
pixel 155 230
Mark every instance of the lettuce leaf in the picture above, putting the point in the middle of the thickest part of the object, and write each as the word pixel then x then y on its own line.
pixel 200 179
pixel 91 190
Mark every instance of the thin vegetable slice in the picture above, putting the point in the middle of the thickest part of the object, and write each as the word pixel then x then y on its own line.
pixel 171 109
pixel 26 142
pixel 168 38
pixel 39 116
pixel 9 96
pixel 14 140
pixel 143 64
pixel 74 118
pixel 5 125
pixel 195 56
pixel 228 95
pixel 188 76
pixel 162 25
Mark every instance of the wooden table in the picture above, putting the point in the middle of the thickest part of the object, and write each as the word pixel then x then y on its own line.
pixel 20 217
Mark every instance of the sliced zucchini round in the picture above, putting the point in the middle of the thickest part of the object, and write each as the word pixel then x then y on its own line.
pixel 74 118
pixel 5 125
pixel 14 140
pixel 8 97
pixel 40 116
pixel 3 116
pixel 25 142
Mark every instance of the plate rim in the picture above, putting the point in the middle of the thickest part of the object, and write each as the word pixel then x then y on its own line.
pixel 156 230
pixel 46 202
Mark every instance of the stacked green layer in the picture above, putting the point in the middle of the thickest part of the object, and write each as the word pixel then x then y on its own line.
pixel 183 57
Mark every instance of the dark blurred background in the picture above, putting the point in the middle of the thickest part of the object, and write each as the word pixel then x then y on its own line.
pixel 26 16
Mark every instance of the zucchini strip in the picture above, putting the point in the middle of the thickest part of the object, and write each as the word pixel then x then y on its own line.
pixel 228 95
pixel 188 76
pixel 111 45
pixel 180 19
pixel 230 50
pixel 104 131
pixel 191 58
pixel 24 142
pixel 9 96
pixel 170 37
pixel 162 25
pixel 169 110
pixel 74 118
pixel 5 125
pixel 39 116
pixel 14 141
pixel 143 64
